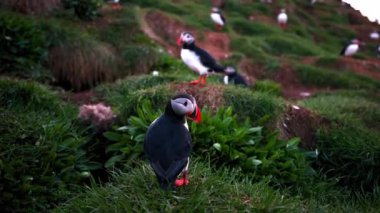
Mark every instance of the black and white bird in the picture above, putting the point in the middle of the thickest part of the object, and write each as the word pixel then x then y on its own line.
pixel 167 142
pixel 282 19
pixel 196 58
pixel 351 48
pixel 218 18
pixel 232 77
pixel 378 51
pixel 374 35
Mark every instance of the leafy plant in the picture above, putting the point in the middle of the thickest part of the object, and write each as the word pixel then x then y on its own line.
pixel 227 142
pixel 23 43
pixel 41 153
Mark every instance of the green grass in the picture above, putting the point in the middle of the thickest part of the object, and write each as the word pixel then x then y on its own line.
pixel 137 190
pixel 253 105
pixel 310 75
pixel 350 146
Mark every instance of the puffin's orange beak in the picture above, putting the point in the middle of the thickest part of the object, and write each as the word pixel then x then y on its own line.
pixel 179 42
pixel 196 116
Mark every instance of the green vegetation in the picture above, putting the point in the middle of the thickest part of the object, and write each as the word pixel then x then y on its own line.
pixel 310 75
pixel 41 159
pixel 350 149
pixel 51 160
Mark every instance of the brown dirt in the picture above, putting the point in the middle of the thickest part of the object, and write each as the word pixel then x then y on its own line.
pixel 80 98
pixel 303 123
pixel 286 77
pixel 210 95
pixel 368 67
pixel 165 30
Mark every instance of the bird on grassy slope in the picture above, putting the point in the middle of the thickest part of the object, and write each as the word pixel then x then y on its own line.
pixel 282 19
pixel 351 48
pixel 196 58
pixel 217 18
pixel 232 77
pixel 167 142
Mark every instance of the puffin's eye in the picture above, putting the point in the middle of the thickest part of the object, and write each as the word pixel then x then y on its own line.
pixel 185 104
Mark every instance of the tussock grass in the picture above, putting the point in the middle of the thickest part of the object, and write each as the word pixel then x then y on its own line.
pixel 350 148
pixel 256 106
pixel 26 95
pixel 310 75
pixel 81 65
pixel 137 190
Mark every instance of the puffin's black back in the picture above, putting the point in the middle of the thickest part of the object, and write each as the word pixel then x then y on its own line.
pixel 206 59
pixel 238 79
pixel 167 146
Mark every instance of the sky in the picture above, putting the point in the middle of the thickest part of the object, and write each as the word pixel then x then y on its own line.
pixel 369 8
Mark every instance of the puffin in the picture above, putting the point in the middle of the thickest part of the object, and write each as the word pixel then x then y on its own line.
pixel 374 35
pixel 167 143
pixel 217 18
pixel 378 51
pixel 233 77
pixel 351 48
pixel 196 58
pixel 282 19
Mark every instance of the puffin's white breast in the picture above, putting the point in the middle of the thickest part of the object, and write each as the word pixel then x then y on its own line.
pixel 225 79
pixel 193 61
pixel 351 49
pixel 216 18
pixel 282 18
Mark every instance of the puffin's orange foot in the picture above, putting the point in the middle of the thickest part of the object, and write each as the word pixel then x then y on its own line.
pixel 181 182
pixel 195 82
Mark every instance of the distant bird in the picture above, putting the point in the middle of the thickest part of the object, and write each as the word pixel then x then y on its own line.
pixel 167 142
pixel 351 48
pixel 378 51
pixel 232 77
pixel 217 18
pixel 374 35
pixel 266 1
pixel 282 19
pixel 196 58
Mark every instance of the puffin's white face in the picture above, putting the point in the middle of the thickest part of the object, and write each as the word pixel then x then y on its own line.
pixel 185 105
pixel 185 37
pixel 230 70
pixel 215 10
pixel 182 106
pixel 355 41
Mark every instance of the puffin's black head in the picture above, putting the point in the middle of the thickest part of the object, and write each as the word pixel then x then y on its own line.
pixel 184 105
pixel 185 38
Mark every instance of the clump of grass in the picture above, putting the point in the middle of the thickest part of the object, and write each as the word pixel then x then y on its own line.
pixel 349 149
pixel 81 65
pixel 137 190
pixel 310 75
pixel 138 59
pixel 268 86
pixel 256 106
pixel 26 95
pixel 249 28
pixel 291 46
